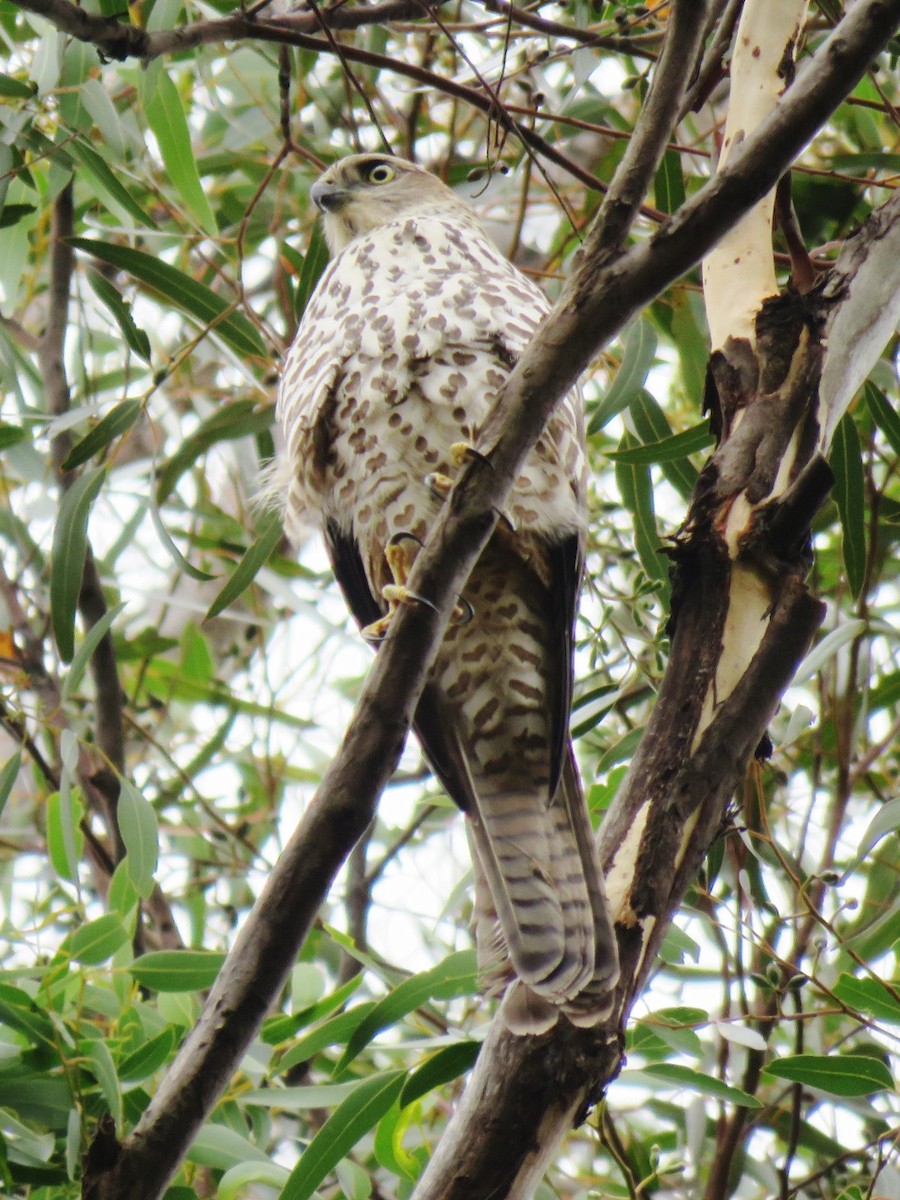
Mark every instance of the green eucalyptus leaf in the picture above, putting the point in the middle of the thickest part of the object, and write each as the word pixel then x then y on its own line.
pixel 354 1117
pixel 181 291
pixel 849 495
pixel 68 557
pixel 140 833
pixel 839 1074
pixel 165 115
pixel 177 970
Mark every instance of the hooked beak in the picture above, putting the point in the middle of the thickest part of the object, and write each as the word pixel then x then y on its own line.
pixel 327 197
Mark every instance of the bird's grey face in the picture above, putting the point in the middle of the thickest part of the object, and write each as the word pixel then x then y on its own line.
pixel 365 191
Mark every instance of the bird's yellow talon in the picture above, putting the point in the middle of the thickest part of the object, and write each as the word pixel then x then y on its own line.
pixel 462 613
pixel 462 453
pixel 377 631
pixel 439 484
pixel 399 559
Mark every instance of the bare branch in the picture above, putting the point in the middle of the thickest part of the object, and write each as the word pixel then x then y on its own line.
pixel 119 41
pixel 648 143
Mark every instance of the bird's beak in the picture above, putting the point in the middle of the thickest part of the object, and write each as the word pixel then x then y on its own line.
pixel 327 197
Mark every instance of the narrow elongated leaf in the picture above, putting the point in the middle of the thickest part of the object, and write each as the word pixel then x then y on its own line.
pixel 169 546
pixel 220 1147
pixel 165 680
pixel 278 1029
pixel 140 833
pixel 65 841
pixel 828 647
pixel 116 422
pixel 233 1184
pixel 15 89
pixel 350 1121
pixel 254 558
pixel 885 821
pixel 136 339
pixel 839 1074
pixel 177 970
pixel 637 359
pixel 12 214
pixel 445 1064
pixel 67 561
pixel 8 776
pixel 636 489
pixel 148 1058
pixel 166 118
pixel 122 896
pixel 95 941
pixel 884 414
pixel 11 435
pixel 669 184
pixel 86 648
pixel 869 996
pixel 105 1073
pixel 182 292
pixel 301 1099
pixel 741 1035
pixel 388 1143
pixel 693 1081
pixel 19 1011
pixel 107 186
pixel 333 1032
pixel 457 975
pixel 73 1143
pixel 310 267
pixel 849 495
pixel 652 425
pixel 669 449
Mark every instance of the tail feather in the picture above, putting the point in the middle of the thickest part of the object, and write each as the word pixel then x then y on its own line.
pixel 542 906
pixel 540 864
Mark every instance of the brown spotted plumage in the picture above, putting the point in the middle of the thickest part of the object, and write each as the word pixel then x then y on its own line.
pixel 404 344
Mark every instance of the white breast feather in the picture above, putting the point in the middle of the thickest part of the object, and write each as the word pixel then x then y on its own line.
pixel 387 314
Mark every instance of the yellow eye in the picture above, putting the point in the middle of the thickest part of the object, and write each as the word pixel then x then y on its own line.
pixel 381 173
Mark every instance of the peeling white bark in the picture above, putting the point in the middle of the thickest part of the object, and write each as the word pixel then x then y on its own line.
pixel 745 625
pixel 620 874
pixel 740 272
pixel 738 277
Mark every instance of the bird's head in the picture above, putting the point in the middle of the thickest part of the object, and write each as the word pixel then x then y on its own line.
pixel 362 192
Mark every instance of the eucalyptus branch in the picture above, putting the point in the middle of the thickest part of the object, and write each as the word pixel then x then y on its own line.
pixel 646 146
pixel 556 29
pixel 109 727
pixel 712 68
pixel 120 41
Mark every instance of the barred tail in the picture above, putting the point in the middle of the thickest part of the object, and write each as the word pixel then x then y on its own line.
pixel 541 867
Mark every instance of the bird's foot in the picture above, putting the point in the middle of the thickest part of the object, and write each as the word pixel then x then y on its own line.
pixel 441 485
pixel 462 453
pixel 400 559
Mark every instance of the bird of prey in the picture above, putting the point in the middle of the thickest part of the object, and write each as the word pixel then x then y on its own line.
pixel 403 347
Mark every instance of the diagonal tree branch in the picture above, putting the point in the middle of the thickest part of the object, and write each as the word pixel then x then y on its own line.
pixel 600 298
